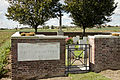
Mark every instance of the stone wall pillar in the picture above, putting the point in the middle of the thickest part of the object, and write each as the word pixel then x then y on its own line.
pixel 105 52
pixel 35 69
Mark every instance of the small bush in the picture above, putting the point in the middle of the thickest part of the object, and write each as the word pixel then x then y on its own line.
pixel 69 40
pixel 45 27
pixel 52 27
pixel 4 50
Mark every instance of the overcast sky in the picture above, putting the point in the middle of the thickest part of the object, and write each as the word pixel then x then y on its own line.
pixel 5 23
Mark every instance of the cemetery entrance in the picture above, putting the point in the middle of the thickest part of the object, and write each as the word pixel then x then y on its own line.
pixel 77 58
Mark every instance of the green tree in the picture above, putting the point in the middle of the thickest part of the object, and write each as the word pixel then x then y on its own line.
pixel 87 13
pixel 32 12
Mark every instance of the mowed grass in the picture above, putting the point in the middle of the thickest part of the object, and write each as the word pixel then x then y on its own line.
pixel 4 36
pixel 106 29
pixel 88 76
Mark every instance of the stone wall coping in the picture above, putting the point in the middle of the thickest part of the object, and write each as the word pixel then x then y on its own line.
pixel 18 36
pixel 103 36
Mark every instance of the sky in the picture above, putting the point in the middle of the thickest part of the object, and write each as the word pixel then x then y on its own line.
pixel 66 20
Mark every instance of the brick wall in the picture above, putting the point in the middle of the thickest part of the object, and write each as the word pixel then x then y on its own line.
pixel 24 70
pixel 72 34
pixel 105 53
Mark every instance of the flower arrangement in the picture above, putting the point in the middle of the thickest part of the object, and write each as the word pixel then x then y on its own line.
pixel 22 34
pixel 115 34
pixel 27 34
pixel 69 40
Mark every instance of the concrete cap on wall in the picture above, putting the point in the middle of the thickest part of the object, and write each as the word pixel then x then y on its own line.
pixel 103 36
pixel 18 36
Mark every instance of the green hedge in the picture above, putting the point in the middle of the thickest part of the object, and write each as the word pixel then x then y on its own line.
pixel 4 51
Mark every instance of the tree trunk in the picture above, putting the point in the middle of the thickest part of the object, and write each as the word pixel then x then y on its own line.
pixel 60 23
pixel 35 29
pixel 83 31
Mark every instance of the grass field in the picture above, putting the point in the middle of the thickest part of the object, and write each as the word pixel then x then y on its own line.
pixel 5 49
pixel 106 29
pixel 4 36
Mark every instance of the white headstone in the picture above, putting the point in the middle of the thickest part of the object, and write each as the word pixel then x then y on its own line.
pixel 75 40
pixel 85 39
pixel 78 37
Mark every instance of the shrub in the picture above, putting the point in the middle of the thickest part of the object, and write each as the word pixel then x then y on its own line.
pixel 52 27
pixel 45 27
pixel 4 50
pixel 69 40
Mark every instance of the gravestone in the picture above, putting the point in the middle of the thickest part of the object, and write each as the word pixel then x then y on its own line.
pixel 75 40
pixel 83 41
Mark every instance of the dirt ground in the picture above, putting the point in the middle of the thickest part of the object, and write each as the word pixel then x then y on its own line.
pixel 112 74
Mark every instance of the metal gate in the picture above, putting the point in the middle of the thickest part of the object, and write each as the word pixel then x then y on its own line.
pixel 77 58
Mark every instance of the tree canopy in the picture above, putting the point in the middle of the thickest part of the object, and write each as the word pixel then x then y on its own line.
pixel 87 13
pixel 32 12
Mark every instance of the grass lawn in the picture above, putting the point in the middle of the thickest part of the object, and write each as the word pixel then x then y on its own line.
pixel 4 36
pixel 106 29
pixel 88 76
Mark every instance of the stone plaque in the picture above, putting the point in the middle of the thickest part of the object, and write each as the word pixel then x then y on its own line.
pixel 38 51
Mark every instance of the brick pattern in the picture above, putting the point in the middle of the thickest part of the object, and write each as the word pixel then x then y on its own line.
pixel 25 70
pixel 105 54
